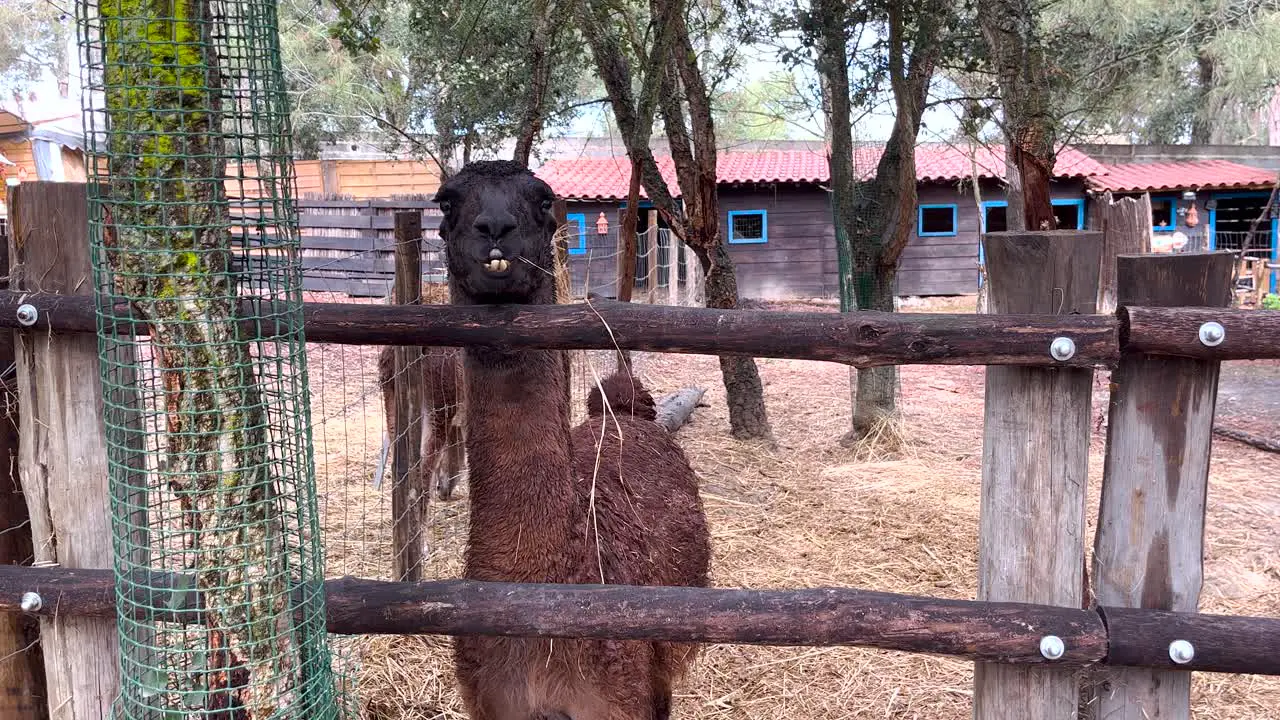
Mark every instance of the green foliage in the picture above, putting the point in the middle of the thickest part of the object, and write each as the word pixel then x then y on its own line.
pixel 337 95
pixel 769 108
pixel 32 34
pixel 1271 302
pixel 450 74
pixel 1165 70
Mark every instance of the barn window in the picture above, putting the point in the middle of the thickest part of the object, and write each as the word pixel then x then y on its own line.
pixel 1069 214
pixel 995 216
pixel 1163 215
pixel 748 226
pixel 577 233
pixel 937 220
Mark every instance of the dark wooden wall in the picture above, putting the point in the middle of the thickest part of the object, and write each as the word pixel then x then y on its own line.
pixel 948 265
pixel 348 245
pixel 799 259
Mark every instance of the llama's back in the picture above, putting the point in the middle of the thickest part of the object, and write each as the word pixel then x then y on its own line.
pixel 641 495
pixel 624 395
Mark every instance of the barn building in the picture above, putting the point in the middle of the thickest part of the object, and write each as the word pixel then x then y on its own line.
pixel 776 213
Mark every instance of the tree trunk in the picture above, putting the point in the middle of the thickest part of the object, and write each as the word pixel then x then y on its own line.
pixel 744 391
pixel 695 158
pixel 1202 116
pixel 876 389
pixel 1029 129
pixel 626 266
pixel 874 220
pixel 672 62
pixel 1015 215
pixel 534 114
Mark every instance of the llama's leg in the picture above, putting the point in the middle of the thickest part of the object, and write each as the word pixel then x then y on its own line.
pixel 437 450
pixel 454 461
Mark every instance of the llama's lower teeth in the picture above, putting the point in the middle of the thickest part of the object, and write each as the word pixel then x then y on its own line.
pixel 497 265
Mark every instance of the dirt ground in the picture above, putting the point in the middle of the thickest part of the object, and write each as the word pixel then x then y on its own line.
pixel 806 513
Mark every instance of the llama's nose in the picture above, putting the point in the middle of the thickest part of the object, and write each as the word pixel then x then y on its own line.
pixel 495 224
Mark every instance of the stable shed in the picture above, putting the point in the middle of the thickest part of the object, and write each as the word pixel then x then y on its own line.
pixel 777 221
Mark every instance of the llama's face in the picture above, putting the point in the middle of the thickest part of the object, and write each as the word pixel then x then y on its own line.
pixel 497 229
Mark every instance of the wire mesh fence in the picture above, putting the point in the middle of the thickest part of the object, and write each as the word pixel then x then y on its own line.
pixel 207 416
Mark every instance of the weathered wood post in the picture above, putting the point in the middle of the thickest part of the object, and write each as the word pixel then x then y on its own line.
pixel 22 673
pixel 62 458
pixel 1149 549
pixel 1126 229
pixel 673 269
pixel 1035 461
pixel 407 491
pixel 651 242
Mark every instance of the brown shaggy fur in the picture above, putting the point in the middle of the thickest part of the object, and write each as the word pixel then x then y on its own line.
pixel 443 450
pixel 613 500
pixel 625 395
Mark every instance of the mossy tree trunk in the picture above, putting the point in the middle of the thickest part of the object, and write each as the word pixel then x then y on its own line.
pixel 168 248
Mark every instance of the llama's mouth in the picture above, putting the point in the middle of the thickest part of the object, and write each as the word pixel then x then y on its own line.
pixel 498 265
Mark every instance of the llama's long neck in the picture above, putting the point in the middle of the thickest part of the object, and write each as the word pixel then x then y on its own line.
pixel 519 456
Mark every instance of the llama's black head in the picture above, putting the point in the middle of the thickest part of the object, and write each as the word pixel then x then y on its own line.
pixel 497 231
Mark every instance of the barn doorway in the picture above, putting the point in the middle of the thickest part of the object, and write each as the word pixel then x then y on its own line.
pixel 1231 218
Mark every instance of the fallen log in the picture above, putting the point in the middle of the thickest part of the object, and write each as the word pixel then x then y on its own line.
pixel 1248 438
pixel 674 409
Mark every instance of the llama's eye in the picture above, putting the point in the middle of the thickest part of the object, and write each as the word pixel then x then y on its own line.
pixel 445 206
pixel 546 206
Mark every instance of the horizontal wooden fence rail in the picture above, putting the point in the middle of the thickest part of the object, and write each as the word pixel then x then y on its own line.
pixel 861 339
pixel 992 631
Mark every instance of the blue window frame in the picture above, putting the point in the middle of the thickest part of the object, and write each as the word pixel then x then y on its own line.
pixel 580 220
pixel 1164 213
pixel 1065 216
pixel 936 220
pixel 748 227
pixel 995 216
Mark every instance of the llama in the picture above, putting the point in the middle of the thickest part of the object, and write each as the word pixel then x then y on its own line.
pixel 613 500
pixel 443 453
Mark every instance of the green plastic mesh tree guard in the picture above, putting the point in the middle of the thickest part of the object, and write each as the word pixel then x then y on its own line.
pixel 217 556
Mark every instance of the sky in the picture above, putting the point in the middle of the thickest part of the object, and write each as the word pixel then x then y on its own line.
pixel 939 122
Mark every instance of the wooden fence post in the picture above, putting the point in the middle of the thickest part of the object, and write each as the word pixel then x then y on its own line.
pixel 1035 461
pixel 651 242
pixel 407 491
pixel 1149 549
pixel 1126 229
pixel 673 269
pixel 63 453
pixel 22 673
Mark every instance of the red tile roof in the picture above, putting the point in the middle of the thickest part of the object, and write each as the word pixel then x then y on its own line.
pixel 606 178
pixel 1190 174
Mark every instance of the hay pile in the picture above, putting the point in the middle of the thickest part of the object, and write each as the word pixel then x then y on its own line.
pixel 808 513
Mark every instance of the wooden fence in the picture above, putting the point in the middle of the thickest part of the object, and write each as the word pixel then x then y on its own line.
pixel 1036 623
pixel 348 245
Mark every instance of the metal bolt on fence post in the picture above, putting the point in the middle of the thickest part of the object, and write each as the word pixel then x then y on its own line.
pixel 27 315
pixel 1052 647
pixel 1062 349
pixel 1212 334
pixel 1181 652
pixel 31 602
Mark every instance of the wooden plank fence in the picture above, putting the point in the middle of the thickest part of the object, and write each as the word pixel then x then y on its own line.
pixel 348 246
